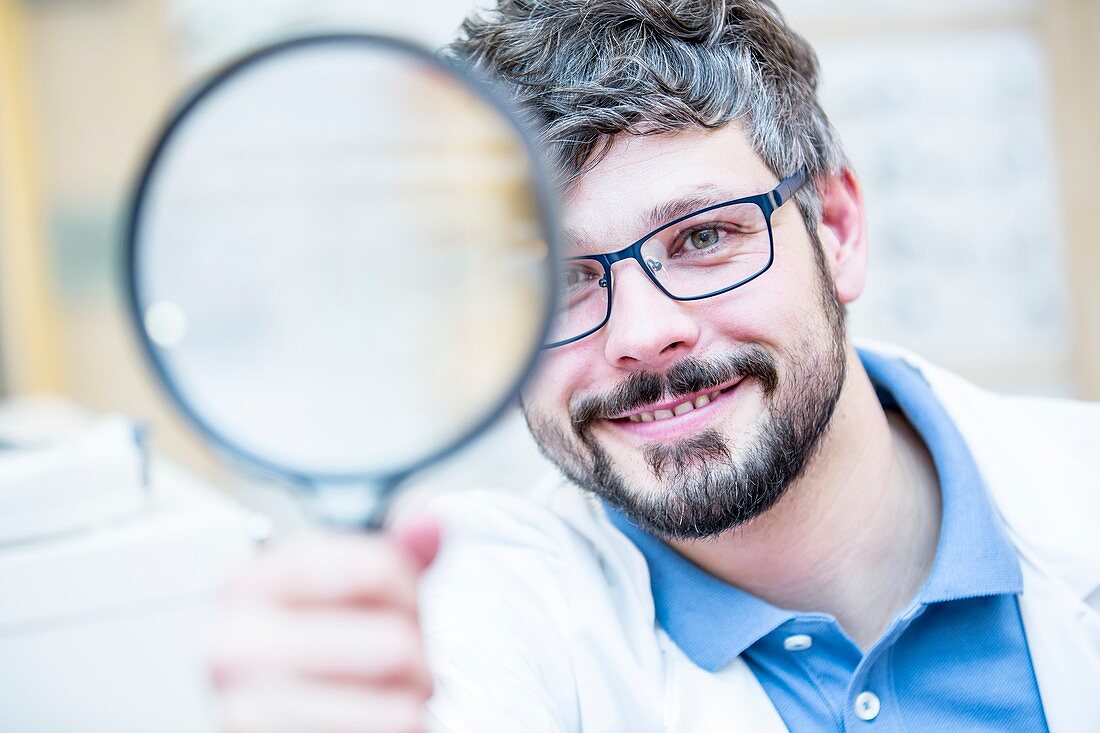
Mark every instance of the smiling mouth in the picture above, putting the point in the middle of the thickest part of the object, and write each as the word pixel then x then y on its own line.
pixel 670 411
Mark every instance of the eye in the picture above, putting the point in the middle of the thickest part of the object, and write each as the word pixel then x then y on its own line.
pixel 703 238
pixel 573 277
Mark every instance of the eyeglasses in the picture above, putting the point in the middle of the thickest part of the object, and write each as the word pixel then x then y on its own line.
pixel 700 255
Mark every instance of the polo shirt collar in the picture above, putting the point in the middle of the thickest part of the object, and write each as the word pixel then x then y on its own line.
pixel 709 619
pixel 974 556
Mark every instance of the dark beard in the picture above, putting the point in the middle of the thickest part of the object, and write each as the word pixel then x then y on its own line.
pixel 707 489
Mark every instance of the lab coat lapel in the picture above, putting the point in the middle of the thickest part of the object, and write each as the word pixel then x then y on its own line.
pixel 1063 635
pixel 695 700
pixel 1056 539
pixel 731 699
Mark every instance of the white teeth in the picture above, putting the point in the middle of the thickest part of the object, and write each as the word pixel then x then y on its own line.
pixel 682 408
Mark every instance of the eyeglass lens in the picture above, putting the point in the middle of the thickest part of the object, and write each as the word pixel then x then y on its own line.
pixel 702 255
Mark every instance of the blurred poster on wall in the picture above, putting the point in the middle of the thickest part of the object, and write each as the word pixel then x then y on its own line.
pixel 952 137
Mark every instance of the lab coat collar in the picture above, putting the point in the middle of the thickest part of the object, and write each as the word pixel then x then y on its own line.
pixel 1044 485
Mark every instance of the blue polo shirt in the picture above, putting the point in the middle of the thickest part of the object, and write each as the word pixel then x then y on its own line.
pixel 955 659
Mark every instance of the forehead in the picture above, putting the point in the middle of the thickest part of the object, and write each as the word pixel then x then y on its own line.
pixel 642 173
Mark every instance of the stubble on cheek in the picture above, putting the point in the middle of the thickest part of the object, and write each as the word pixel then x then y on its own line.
pixel 576 453
pixel 556 443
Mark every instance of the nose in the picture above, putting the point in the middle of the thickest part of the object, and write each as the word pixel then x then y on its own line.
pixel 647 330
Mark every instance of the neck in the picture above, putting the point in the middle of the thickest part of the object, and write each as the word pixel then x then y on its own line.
pixel 855 536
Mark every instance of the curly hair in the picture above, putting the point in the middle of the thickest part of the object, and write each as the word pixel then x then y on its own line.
pixel 584 71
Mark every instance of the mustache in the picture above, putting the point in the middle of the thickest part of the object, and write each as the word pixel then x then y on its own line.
pixel 685 377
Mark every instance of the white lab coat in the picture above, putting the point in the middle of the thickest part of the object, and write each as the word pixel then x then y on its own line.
pixel 538 614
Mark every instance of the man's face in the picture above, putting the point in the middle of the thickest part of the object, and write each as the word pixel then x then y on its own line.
pixel 762 365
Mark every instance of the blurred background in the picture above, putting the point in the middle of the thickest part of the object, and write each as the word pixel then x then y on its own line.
pixel 975 125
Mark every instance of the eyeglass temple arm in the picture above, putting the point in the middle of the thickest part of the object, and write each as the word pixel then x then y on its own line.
pixel 789 187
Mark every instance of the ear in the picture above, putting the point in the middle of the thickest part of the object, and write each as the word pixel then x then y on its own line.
pixel 843 233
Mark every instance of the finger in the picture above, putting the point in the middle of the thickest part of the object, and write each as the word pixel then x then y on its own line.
pixel 361 648
pixel 316 708
pixel 333 568
pixel 420 538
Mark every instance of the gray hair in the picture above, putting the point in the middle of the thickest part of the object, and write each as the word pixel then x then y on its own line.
pixel 584 71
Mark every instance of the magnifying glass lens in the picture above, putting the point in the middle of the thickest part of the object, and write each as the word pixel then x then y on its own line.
pixel 339 259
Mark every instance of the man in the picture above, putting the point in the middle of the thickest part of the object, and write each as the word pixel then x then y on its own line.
pixel 774 530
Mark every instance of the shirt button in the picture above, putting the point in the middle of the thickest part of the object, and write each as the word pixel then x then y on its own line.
pixel 867 705
pixel 798 642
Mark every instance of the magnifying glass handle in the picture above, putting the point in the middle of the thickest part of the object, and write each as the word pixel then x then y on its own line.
pixel 352 506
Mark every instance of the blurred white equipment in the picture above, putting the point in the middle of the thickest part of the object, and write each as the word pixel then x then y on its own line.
pixel 62 470
pixel 108 588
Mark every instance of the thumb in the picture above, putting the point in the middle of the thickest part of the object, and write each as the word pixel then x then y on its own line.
pixel 420 538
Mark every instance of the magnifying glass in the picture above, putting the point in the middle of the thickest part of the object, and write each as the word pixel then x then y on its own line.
pixel 340 263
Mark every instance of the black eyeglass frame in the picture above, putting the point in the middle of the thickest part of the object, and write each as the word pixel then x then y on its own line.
pixel 768 203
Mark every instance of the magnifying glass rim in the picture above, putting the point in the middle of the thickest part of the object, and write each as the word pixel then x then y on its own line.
pixel 544 200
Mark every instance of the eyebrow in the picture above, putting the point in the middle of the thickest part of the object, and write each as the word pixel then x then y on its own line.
pixel 661 214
